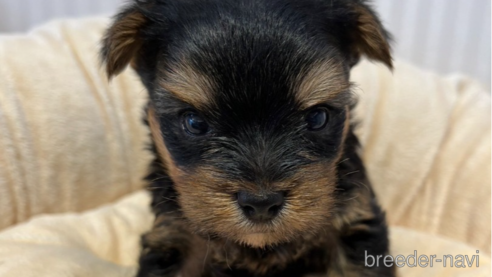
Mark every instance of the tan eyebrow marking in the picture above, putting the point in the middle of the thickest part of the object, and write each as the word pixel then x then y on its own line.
pixel 188 85
pixel 321 83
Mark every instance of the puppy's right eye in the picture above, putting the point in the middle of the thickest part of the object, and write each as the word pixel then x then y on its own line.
pixel 194 124
pixel 317 118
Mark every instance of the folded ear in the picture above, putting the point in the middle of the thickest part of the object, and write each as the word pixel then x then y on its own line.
pixel 123 40
pixel 367 35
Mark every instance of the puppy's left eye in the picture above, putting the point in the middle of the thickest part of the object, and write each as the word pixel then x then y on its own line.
pixel 317 118
pixel 194 124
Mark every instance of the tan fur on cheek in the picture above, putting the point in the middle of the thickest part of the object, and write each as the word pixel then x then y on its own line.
pixel 158 139
pixel 313 196
pixel 205 199
pixel 208 201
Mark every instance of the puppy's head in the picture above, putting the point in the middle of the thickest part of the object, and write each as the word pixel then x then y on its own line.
pixel 249 104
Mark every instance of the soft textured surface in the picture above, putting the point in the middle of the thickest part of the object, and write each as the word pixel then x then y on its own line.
pixel 70 142
pixel 426 144
pixel 104 242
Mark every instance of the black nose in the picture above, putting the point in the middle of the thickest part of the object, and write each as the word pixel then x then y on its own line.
pixel 260 207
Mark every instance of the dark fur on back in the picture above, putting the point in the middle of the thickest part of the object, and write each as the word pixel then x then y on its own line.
pixel 254 71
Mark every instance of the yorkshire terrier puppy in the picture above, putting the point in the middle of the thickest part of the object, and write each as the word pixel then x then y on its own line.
pixel 256 170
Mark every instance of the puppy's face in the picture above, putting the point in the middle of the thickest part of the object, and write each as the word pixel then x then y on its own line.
pixel 249 105
pixel 252 146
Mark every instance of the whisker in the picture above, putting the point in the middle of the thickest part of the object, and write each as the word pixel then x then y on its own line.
pixel 361 184
pixel 153 188
pixel 227 256
pixel 158 178
pixel 352 172
pixel 206 254
pixel 344 160
pixel 170 199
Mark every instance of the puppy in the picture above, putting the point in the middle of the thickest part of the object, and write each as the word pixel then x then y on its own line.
pixel 256 170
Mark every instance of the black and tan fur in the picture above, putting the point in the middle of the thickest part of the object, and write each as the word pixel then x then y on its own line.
pixel 253 70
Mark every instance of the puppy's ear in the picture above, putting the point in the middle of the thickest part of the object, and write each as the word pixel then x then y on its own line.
pixel 366 35
pixel 123 40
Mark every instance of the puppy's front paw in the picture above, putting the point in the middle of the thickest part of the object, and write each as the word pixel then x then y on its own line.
pixel 159 264
pixel 163 251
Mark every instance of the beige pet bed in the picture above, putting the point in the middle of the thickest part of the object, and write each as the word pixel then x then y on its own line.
pixel 72 158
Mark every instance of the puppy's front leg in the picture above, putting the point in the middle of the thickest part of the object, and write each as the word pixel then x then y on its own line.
pixel 164 248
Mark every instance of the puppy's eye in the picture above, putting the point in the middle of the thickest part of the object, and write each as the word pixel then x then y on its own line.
pixel 316 119
pixel 194 124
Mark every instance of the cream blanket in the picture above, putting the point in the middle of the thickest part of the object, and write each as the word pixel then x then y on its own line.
pixel 69 141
